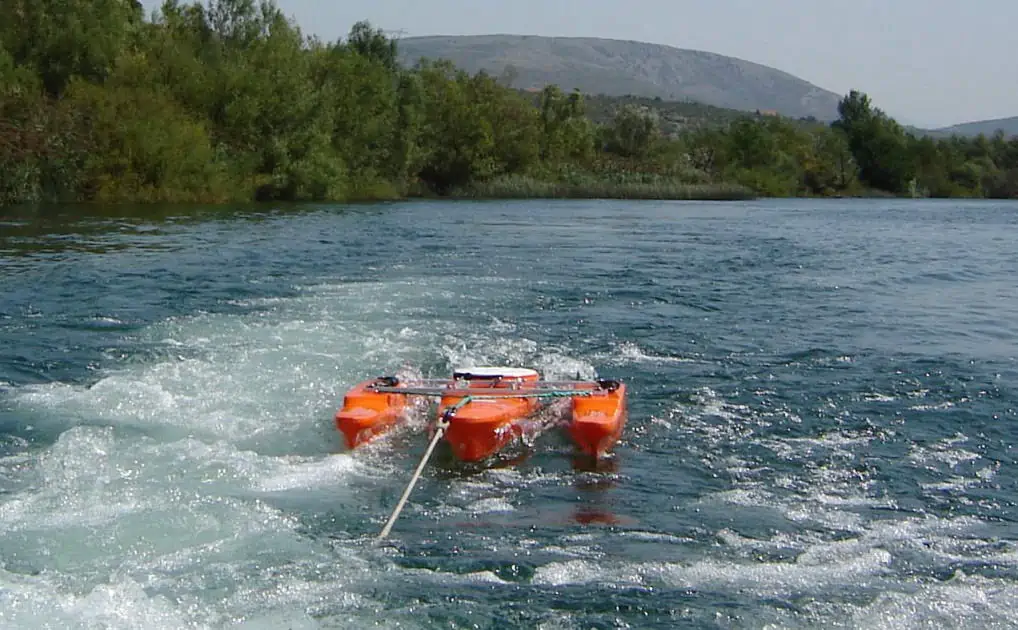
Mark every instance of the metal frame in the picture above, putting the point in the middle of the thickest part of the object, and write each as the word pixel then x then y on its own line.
pixel 517 389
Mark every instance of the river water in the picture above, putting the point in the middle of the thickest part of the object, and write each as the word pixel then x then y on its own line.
pixel 822 415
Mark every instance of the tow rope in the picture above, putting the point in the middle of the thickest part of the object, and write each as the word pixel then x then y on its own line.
pixel 443 424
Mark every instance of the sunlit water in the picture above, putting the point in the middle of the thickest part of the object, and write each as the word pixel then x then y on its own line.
pixel 821 431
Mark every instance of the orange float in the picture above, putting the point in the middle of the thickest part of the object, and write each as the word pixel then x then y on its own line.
pixel 483 409
pixel 597 420
pixel 367 412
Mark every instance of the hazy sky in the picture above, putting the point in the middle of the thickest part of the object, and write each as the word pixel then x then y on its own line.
pixel 925 62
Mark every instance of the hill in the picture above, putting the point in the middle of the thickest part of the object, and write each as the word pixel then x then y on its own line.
pixel 988 127
pixel 616 68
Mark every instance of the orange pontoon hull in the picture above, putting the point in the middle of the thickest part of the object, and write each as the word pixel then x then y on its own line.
pixel 483 426
pixel 598 419
pixel 366 413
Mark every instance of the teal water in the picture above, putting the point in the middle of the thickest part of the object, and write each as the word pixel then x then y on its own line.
pixel 822 419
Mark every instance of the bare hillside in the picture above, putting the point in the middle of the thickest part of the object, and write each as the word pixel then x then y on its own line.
pixel 613 67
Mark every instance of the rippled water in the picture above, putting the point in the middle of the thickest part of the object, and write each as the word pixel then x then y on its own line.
pixel 821 433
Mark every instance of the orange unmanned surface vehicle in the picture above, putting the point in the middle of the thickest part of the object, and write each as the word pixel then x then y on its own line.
pixel 486 408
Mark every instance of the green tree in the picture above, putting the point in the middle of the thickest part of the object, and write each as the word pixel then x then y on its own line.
pixel 633 132
pixel 407 153
pixel 363 95
pixel 878 143
pixel 62 39
pixel 373 44
pixel 766 155
pixel 135 160
pixel 829 166
pixel 458 141
pixel 515 125
pixel 566 132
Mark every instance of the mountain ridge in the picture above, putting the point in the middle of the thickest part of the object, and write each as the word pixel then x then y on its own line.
pixel 988 127
pixel 616 67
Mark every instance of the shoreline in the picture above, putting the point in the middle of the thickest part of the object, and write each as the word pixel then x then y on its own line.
pixel 140 208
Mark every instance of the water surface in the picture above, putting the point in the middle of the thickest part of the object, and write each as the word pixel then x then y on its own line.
pixel 821 432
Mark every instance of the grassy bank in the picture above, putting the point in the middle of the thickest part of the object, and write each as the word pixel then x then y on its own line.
pixel 524 187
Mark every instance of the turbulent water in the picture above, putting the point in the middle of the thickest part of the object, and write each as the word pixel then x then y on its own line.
pixel 821 425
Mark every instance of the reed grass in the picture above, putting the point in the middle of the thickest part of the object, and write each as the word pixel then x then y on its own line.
pixel 524 187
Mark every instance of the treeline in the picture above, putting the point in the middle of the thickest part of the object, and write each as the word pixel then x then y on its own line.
pixel 230 101
pixel 864 152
